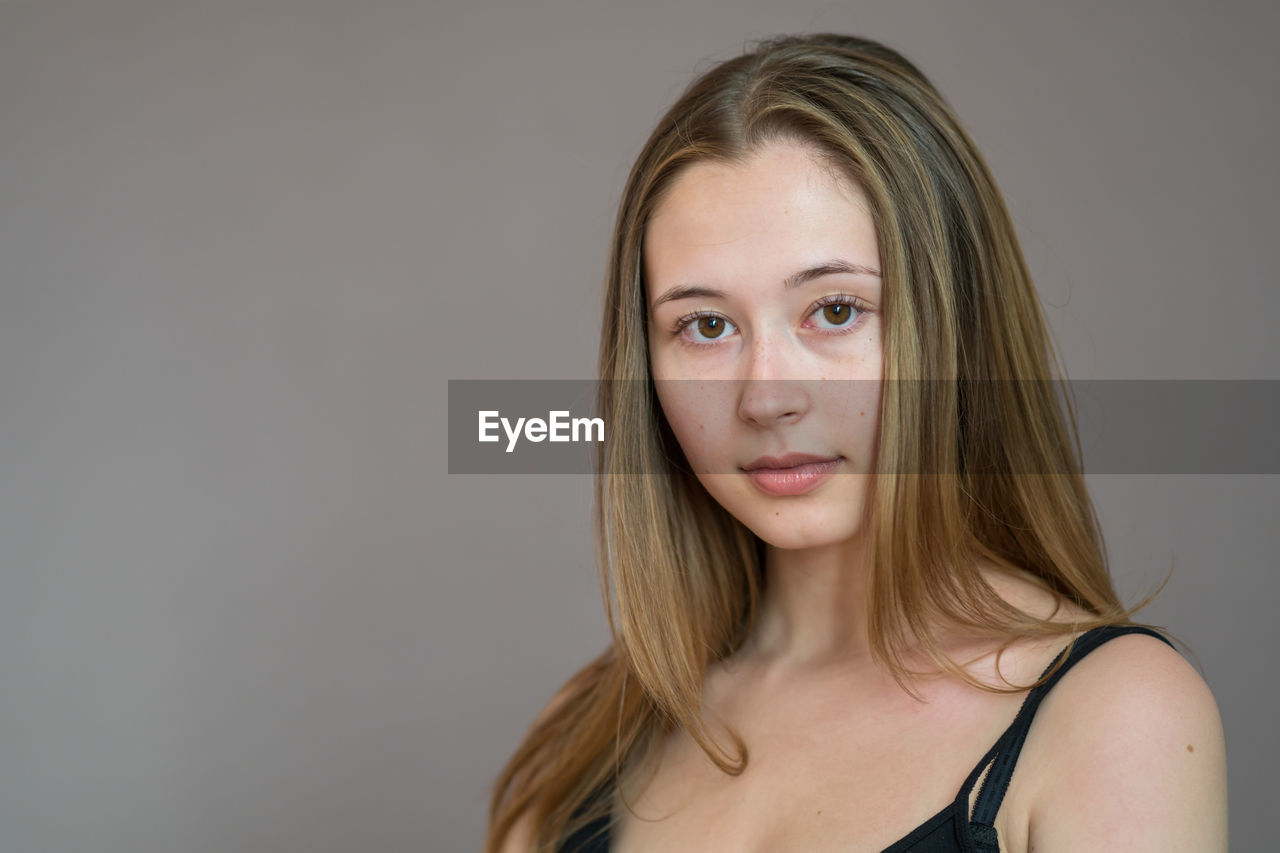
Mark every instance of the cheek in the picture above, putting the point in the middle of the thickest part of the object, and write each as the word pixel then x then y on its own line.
pixel 859 404
pixel 699 413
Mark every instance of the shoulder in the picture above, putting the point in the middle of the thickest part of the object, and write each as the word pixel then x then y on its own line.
pixel 1134 755
pixel 519 838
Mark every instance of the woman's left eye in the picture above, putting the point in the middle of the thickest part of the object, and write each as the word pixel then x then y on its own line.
pixel 839 311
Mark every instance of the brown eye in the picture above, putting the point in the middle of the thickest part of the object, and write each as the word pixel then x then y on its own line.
pixel 702 329
pixel 840 312
pixel 837 314
pixel 711 327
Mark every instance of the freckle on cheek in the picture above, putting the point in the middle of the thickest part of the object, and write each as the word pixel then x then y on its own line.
pixel 1190 748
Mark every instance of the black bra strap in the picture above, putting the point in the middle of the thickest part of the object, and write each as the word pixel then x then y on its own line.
pixel 1006 750
pixel 592 837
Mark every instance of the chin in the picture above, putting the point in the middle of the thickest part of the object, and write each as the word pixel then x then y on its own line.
pixel 789 540
pixel 796 527
pixel 793 523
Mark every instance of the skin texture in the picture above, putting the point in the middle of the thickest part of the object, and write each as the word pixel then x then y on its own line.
pixel 1126 752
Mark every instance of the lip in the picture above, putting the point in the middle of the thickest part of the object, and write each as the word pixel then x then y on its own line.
pixel 792 474
pixel 787 460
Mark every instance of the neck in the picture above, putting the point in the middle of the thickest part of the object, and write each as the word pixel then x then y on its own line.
pixel 814 604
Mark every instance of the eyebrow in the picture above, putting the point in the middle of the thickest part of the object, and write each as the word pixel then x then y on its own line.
pixel 835 266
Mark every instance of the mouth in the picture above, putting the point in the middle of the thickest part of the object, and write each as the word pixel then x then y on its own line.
pixel 793 474
pixel 787 462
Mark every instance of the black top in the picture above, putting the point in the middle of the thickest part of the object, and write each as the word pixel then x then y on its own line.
pixel 951 830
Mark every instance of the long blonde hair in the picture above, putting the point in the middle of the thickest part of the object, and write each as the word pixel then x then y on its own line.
pixel 969 469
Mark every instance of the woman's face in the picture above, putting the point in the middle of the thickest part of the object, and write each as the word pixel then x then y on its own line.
pixel 764 296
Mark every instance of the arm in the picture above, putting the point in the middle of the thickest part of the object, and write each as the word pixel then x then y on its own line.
pixel 1139 758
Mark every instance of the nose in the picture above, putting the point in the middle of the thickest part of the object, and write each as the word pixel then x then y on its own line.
pixel 768 397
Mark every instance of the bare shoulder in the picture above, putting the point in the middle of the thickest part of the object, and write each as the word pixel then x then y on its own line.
pixel 1024 591
pixel 519 838
pixel 1131 755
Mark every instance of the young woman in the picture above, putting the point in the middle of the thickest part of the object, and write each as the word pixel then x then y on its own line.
pixel 847 550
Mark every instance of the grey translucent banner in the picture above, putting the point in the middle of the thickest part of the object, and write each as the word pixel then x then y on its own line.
pixel 1211 426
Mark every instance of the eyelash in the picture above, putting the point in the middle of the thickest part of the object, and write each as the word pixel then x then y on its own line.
pixel 834 299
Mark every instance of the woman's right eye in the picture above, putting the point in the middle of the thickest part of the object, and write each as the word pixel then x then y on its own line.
pixel 703 328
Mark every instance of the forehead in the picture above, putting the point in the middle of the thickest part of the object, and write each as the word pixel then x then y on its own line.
pixel 782 207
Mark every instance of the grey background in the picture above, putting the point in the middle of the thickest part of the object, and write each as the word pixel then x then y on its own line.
pixel 244 246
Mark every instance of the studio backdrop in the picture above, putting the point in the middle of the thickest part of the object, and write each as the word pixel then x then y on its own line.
pixel 245 248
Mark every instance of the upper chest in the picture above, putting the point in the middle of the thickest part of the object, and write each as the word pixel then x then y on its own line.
pixel 850 767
